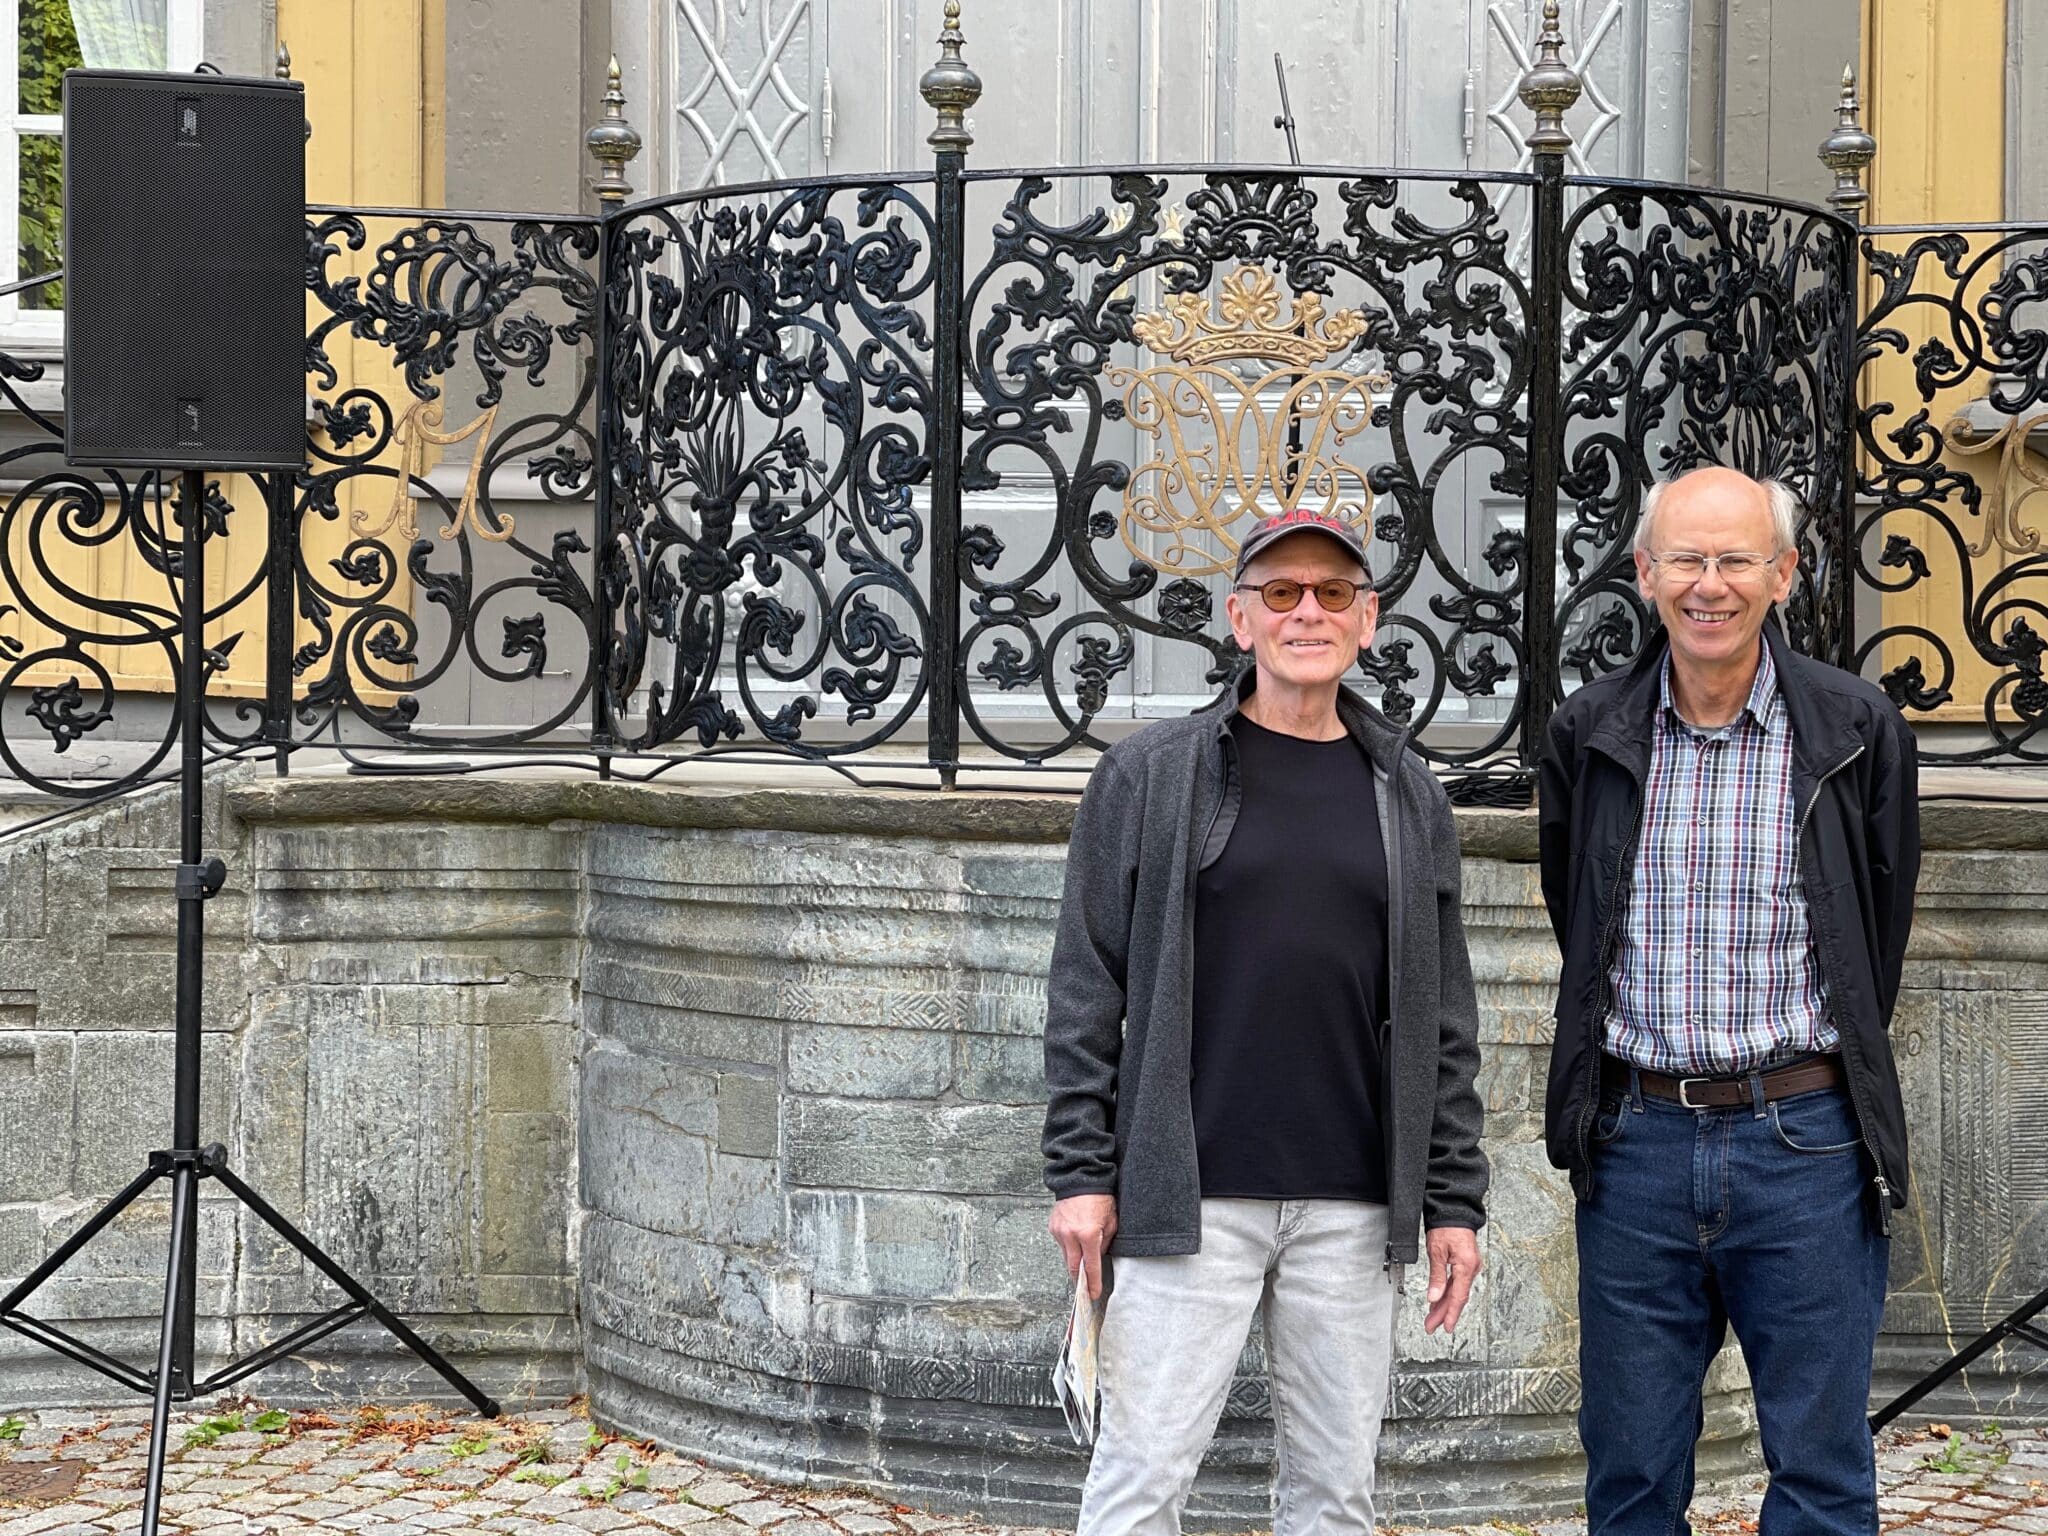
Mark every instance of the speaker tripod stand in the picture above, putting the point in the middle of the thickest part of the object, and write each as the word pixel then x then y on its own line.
pixel 187 1163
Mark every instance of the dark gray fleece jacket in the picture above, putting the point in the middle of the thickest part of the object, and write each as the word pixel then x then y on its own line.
pixel 1159 807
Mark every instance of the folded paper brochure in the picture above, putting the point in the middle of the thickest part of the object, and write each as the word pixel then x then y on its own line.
pixel 1075 1372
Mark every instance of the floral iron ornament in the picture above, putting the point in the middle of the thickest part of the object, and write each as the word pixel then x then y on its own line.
pixel 1230 448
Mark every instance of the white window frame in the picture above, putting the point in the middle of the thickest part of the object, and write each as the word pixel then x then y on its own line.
pixel 41 331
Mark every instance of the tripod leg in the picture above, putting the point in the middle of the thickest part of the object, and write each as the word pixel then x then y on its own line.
pixel 182 1372
pixel 1962 1360
pixel 184 1189
pixel 355 1292
pixel 78 1240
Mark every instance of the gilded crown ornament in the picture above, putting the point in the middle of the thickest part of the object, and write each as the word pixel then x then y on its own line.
pixel 1235 445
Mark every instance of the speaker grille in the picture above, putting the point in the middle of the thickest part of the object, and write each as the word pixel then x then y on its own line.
pixel 184 271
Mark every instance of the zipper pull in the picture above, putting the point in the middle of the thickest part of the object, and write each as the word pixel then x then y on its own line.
pixel 1387 1268
pixel 1884 1206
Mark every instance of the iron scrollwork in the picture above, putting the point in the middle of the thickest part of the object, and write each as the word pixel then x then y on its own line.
pixel 1701 328
pixel 1426 345
pixel 770 407
pixel 662 484
pixel 1944 518
pixel 440 301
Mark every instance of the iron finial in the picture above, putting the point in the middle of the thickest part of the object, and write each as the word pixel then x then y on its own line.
pixel 612 142
pixel 950 88
pixel 1848 150
pixel 284 61
pixel 1550 87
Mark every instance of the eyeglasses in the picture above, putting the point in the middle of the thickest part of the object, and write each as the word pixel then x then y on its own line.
pixel 1736 565
pixel 1335 594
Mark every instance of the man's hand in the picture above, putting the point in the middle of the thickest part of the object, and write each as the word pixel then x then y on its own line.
pixel 1453 1266
pixel 1083 1225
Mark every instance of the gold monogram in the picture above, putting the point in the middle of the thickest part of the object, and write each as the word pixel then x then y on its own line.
pixel 418 430
pixel 2016 481
pixel 1225 458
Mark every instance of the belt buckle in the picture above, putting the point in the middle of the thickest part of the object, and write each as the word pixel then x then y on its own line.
pixel 1686 1082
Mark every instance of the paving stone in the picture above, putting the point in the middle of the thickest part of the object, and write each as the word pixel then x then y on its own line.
pixel 759 1512
pixel 678 1517
pixel 668 1476
pixel 720 1492
pixel 326 1483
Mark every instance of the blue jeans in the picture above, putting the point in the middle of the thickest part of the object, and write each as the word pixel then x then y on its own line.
pixel 1761 1217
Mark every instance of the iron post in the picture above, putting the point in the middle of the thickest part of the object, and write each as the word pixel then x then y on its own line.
pixel 1847 152
pixel 950 88
pixel 1549 90
pixel 612 142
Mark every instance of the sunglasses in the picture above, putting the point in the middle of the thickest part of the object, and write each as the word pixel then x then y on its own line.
pixel 1282 596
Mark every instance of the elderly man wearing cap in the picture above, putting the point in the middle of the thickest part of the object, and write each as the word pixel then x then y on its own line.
pixel 1260 1044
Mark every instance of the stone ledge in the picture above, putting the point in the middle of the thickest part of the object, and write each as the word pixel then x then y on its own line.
pixel 964 815
pixel 1023 816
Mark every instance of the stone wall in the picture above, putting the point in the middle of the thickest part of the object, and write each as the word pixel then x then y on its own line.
pixel 390 1037
pixel 726 1105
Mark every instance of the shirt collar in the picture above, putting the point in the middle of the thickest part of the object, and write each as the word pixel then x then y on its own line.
pixel 1760 710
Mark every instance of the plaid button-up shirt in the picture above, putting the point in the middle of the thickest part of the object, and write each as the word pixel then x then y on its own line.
pixel 1714 973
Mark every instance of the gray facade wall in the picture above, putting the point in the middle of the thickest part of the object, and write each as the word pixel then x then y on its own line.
pixel 241 36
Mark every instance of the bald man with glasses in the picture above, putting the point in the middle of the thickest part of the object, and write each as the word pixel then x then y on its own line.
pixel 1730 836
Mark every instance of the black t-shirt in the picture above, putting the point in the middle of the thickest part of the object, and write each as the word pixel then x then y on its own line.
pixel 1291 979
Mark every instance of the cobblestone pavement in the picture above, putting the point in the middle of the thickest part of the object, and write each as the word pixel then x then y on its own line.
pixel 408 1472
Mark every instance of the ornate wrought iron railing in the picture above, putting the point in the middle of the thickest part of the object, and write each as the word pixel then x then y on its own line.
pixel 951 466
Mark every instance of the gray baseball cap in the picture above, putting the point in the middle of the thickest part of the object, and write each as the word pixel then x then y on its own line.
pixel 1278 527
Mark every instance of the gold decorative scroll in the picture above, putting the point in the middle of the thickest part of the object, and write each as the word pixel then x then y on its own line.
pixel 2017 479
pixel 417 431
pixel 1224 457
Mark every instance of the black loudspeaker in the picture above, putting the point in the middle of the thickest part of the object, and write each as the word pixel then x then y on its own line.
pixel 184 271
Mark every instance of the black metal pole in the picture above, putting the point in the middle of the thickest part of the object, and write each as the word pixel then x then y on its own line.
pixel 1546 453
pixel 191 893
pixel 1848 152
pixel 33 1281
pixel 1843 556
pixel 281 561
pixel 944 702
pixel 1549 89
pixel 603 729
pixel 950 87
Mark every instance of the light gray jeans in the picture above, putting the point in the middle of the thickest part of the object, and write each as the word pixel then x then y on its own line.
pixel 1171 1337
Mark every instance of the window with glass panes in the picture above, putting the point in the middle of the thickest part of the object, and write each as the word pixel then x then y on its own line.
pixel 49 37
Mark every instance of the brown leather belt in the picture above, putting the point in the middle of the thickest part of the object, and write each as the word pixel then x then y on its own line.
pixel 1729 1092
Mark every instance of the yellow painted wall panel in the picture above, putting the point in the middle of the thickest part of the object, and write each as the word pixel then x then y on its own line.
pixel 1935 101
